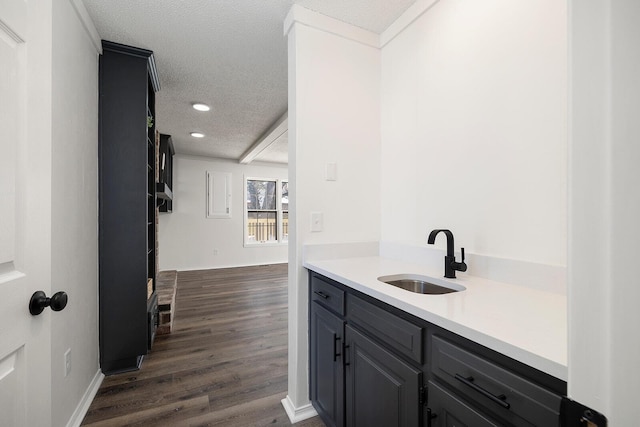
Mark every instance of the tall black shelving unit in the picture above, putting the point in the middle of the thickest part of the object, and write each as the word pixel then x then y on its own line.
pixel 127 237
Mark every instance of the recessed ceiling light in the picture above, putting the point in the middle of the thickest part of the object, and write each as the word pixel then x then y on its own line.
pixel 197 134
pixel 201 107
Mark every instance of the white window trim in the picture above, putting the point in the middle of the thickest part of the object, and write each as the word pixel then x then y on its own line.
pixel 279 215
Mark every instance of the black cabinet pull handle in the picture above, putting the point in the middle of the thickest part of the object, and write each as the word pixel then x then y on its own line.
pixel 320 294
pixel 335 347
pixel 500 399
pixel 430 416
pixel 344 351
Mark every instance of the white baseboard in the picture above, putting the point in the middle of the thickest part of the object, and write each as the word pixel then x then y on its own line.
pixel 298 414
pixel 85 402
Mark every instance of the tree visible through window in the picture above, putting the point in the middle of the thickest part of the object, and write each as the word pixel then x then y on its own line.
pixel 267 211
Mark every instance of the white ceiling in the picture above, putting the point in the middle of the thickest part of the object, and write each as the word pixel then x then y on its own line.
pixel 230 54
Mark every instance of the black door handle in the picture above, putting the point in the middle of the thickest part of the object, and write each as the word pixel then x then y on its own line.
pixel 39 302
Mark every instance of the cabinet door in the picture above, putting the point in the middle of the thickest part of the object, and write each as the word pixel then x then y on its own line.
pixel 326 365
pixel 381 388
pixel 447 410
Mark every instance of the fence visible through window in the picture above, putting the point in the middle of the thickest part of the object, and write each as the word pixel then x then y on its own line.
pixel 267 211
pixel 262 232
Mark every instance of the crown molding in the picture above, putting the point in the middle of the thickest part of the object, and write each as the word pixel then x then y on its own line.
pixel 300 15
pixel 415 11
pixel 87 23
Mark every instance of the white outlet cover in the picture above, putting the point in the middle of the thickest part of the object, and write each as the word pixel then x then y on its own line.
pixel 331 172
pixel 317 221
pixel 67 362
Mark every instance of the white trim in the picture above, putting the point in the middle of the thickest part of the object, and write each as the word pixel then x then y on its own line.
pixel 85 402
pixel 14 23
pixel 206 158
pixel 9 273
pixel 300 15
pixel 87 23
pixel 12 38
pixel 277 129
pixel 415 11
pixel 279 214
pixel 219 267
pixel 298 414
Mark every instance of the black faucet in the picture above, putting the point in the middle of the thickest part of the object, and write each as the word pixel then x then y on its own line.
pixel 450 264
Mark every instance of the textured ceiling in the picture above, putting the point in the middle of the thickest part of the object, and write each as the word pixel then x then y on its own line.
pixel 230 54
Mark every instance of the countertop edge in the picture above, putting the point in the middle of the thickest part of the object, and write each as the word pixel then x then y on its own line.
pixel 524 356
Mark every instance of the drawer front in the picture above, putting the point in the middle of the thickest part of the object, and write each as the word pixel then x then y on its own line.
pixel 323 292
pixel 502 392
pixel 400 334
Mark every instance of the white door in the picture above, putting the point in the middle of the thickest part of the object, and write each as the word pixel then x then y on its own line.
pixel 25 355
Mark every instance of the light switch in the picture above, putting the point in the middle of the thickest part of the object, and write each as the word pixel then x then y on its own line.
pixel 331 172
pixel 316 221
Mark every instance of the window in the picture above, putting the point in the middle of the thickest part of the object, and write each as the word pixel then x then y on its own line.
pixel 267 211
pixel 284 200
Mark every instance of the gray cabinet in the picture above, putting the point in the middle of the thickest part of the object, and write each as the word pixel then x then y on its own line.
pixel 393 369
pixel 365 363
pixel 381 388
pixel 326 362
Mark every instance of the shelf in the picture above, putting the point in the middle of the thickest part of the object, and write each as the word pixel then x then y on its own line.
pixel 163 191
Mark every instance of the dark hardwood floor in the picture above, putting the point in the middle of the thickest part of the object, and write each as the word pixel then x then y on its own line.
pixel 224 364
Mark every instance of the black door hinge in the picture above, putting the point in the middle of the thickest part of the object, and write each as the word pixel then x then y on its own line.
pixel 422 395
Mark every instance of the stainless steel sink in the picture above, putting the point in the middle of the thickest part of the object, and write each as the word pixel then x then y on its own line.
pixel 421 284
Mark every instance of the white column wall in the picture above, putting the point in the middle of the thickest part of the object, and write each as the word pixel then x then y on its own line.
pixel 74 210
pixel 334 117
pixel 604 345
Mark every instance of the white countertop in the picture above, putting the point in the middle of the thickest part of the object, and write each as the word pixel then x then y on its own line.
pixel 525 324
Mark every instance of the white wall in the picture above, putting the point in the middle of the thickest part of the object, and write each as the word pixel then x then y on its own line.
pixel 474 129
pixel 74 212
pixel 604 345
pixel 187 239
pixel 334 114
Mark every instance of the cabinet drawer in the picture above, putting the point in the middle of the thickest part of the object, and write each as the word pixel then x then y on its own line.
pixel 400 334
pixel 501 392
pixel 327 294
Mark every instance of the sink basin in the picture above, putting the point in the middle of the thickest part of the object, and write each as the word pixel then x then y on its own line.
pixel 421 284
